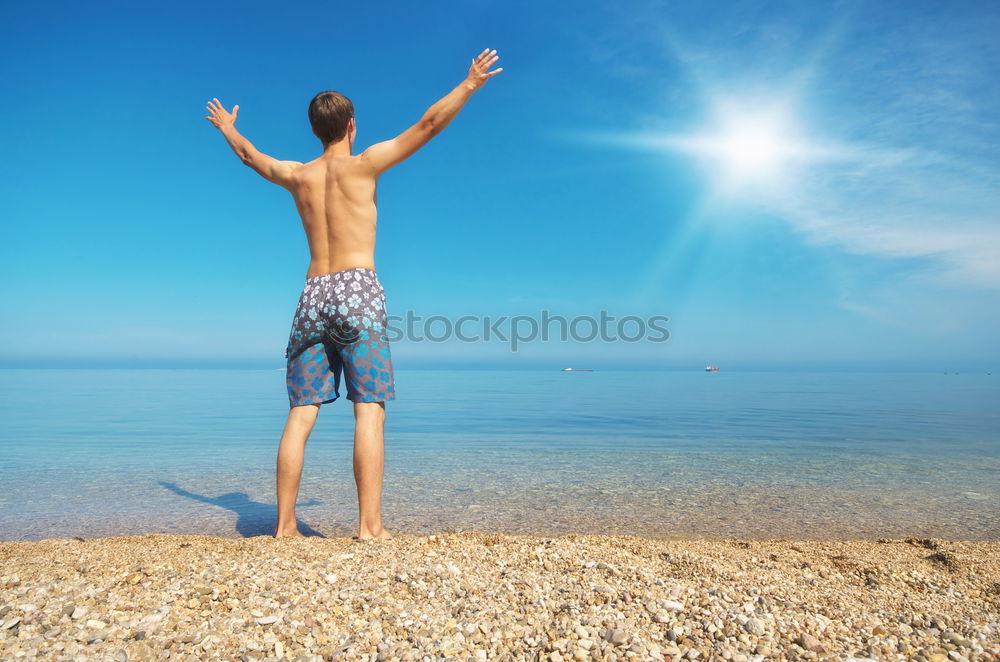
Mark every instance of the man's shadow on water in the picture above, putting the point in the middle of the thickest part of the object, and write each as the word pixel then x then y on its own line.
pixel 253 517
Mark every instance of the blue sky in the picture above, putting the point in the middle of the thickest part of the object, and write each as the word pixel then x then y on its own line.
pixel 577 180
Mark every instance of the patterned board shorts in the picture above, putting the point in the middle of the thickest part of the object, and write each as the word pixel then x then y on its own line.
pixel 340 326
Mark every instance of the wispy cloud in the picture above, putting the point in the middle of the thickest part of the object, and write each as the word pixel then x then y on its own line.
pixel 903 203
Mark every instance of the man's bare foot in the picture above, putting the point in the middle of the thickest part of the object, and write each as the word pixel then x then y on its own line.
pixel 291 533
pixel 380 534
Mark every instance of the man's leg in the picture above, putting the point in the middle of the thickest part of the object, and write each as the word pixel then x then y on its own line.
pixel 291 453
pixel 369 462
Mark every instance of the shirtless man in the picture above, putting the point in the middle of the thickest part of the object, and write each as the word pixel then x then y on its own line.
pixel 339 324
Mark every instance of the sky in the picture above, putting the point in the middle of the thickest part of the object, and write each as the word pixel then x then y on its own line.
pixel 788 183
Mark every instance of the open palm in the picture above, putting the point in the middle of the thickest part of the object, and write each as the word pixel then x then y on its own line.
pixel 479 71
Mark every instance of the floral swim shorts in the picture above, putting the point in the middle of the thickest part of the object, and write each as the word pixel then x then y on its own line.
pixel 340 326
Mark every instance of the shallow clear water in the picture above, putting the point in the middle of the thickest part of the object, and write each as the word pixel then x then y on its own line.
pixel 661 454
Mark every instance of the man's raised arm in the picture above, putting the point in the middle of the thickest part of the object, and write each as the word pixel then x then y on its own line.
pixel 382 156
pixel 268 167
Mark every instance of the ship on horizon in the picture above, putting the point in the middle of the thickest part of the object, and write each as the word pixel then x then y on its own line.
pixel 578 370
pixel 711 368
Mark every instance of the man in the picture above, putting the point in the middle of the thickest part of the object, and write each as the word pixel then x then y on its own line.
pixel 339 324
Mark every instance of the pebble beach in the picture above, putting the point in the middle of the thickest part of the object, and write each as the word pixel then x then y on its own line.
pixel 475 596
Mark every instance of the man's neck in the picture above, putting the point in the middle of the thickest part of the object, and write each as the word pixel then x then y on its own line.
pixel 342 148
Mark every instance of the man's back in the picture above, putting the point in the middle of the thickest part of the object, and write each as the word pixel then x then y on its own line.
pixel 336 198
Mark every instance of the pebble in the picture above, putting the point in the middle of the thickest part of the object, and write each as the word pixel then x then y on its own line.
pixel 809 642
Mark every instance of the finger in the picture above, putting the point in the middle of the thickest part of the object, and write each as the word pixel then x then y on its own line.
pixel 236 109
pixel 492 73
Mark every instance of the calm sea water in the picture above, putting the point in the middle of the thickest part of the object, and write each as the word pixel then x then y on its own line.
pixel 661 454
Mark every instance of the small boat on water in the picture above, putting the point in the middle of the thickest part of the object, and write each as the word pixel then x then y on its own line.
pixel 711 368
pixel 577 370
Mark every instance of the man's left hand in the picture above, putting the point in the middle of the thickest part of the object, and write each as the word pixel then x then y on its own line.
pixel 220 117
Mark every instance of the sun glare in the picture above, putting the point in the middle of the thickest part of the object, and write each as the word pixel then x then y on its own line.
pixel 751 149
pixel 743 146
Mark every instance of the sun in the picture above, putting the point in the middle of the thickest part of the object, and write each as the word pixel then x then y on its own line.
pixel 753 149
pixel 746 145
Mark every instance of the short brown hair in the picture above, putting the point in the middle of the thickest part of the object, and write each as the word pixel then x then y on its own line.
pixel 329 114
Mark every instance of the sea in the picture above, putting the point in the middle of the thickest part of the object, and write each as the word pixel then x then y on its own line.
pixel 669 454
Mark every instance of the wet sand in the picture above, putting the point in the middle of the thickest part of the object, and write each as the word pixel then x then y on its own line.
pixel 478 596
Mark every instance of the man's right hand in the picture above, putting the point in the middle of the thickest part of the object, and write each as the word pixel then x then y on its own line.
pixel 478 72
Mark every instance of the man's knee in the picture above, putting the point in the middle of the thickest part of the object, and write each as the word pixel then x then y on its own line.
pixel 369 411
pixel 303 412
